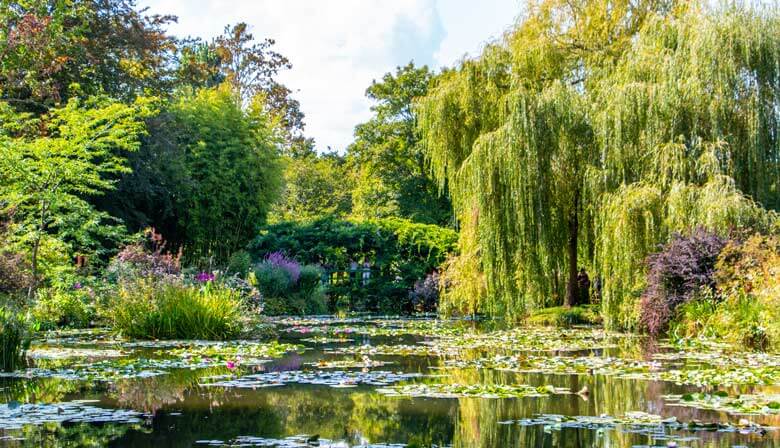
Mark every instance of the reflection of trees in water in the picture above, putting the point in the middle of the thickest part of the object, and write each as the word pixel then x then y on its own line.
pixel 477 420
pixel 154 393
pixel 42 390
pixel 54 435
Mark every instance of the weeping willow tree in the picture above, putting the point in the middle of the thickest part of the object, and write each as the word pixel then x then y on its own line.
pixel 593 131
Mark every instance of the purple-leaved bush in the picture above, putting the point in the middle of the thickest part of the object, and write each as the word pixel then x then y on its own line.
pixel 425 294
pixel 682 269
pixel 280 261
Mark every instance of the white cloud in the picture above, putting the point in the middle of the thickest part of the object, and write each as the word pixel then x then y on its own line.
pixel 338 47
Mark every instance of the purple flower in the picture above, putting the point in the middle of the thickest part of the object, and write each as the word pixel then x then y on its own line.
pixel 77 285
pixel 291 266
pixel 204 277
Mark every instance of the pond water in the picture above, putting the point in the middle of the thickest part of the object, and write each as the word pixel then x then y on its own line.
pixel 390 382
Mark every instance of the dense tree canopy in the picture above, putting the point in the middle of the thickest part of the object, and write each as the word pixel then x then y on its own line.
pixel 230 157
pixel 315 185
pixel 593 131
pixel 47 174
pixel 392 177
pixel 52 50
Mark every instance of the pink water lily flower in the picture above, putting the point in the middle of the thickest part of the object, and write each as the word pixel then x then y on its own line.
pixel 230 365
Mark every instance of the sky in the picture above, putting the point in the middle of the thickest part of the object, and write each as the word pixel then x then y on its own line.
pixel 337 47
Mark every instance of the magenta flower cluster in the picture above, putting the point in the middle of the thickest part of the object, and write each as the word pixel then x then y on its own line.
pixel 205 277
pixel 280 261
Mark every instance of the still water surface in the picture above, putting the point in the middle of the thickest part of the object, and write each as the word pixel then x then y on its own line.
pixel 181 407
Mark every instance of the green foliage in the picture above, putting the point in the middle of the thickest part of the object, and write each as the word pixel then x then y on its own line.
pixel 50 164
pixel 147 310
pixel 392 175
pixel 314 186
pixel 284 295
pixel 569 144
pixel 14 338
pixel 222 141
pixel 239 263
pixel 57 308
pixel 562 316
pixel 398 252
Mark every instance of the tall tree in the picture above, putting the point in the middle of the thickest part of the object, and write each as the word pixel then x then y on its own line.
pixel 593 131
pixel 391 170
pixel 233 172
pixel 315 185
pixel 52 50
pixel 49 166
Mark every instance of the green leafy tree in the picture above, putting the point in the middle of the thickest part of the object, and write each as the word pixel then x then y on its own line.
pixel 233 172
pixel 251 67
pixel 391 173
pixel 314 185
pixel 52 50
pixel 49 165
pixel 594 131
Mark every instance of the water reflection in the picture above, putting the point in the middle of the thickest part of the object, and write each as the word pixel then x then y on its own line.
pixel 181 412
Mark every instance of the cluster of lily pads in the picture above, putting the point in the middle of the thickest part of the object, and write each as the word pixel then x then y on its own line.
pixel 558 365
pixel 654 426
pixel 299 441
pixel 336 379
pixel 15 415
pixel 748 404
pixel 394 350
pixel 363 363
pixel 472 390
pixel 235 352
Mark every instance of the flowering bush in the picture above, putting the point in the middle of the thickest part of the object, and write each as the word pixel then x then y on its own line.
pixel 289 288
pixel 683 269
pixel 145 259
pixel 280 261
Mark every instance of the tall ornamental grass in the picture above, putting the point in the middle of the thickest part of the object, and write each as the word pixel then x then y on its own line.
pixel 14 339
pixel 146 310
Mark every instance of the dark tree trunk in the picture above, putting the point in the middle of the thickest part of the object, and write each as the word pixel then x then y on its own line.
pixel 572 286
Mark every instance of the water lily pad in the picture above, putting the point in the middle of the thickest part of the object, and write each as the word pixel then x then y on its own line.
pixel 473 390
pixel 327 378
pixel 16 417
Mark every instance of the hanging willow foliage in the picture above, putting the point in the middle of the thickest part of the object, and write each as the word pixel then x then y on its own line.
pixel 593 131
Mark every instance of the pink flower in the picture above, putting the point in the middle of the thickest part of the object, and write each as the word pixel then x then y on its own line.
pixel 230 365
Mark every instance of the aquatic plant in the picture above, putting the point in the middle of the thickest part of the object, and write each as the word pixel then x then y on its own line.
pixel 751 404
pixel 473 390
pixel 14 338
pixel 171 311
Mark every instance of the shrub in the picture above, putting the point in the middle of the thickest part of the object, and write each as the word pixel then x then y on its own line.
pixel 56 308
pixel 562 316
pixel 425 294
pixel 239 263
pixel 14 338
pixel 171 311
pixel 288 288
pixel 683 269
pixel 145 258
pixel 744 308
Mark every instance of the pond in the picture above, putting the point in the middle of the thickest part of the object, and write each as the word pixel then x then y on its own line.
pixel 384 382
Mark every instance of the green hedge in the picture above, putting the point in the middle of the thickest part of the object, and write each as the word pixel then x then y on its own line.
pixel 399 251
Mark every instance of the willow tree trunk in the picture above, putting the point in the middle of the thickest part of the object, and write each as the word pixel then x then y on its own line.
pixel 572 285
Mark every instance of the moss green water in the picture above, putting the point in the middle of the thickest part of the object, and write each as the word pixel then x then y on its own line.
pixel 391 382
